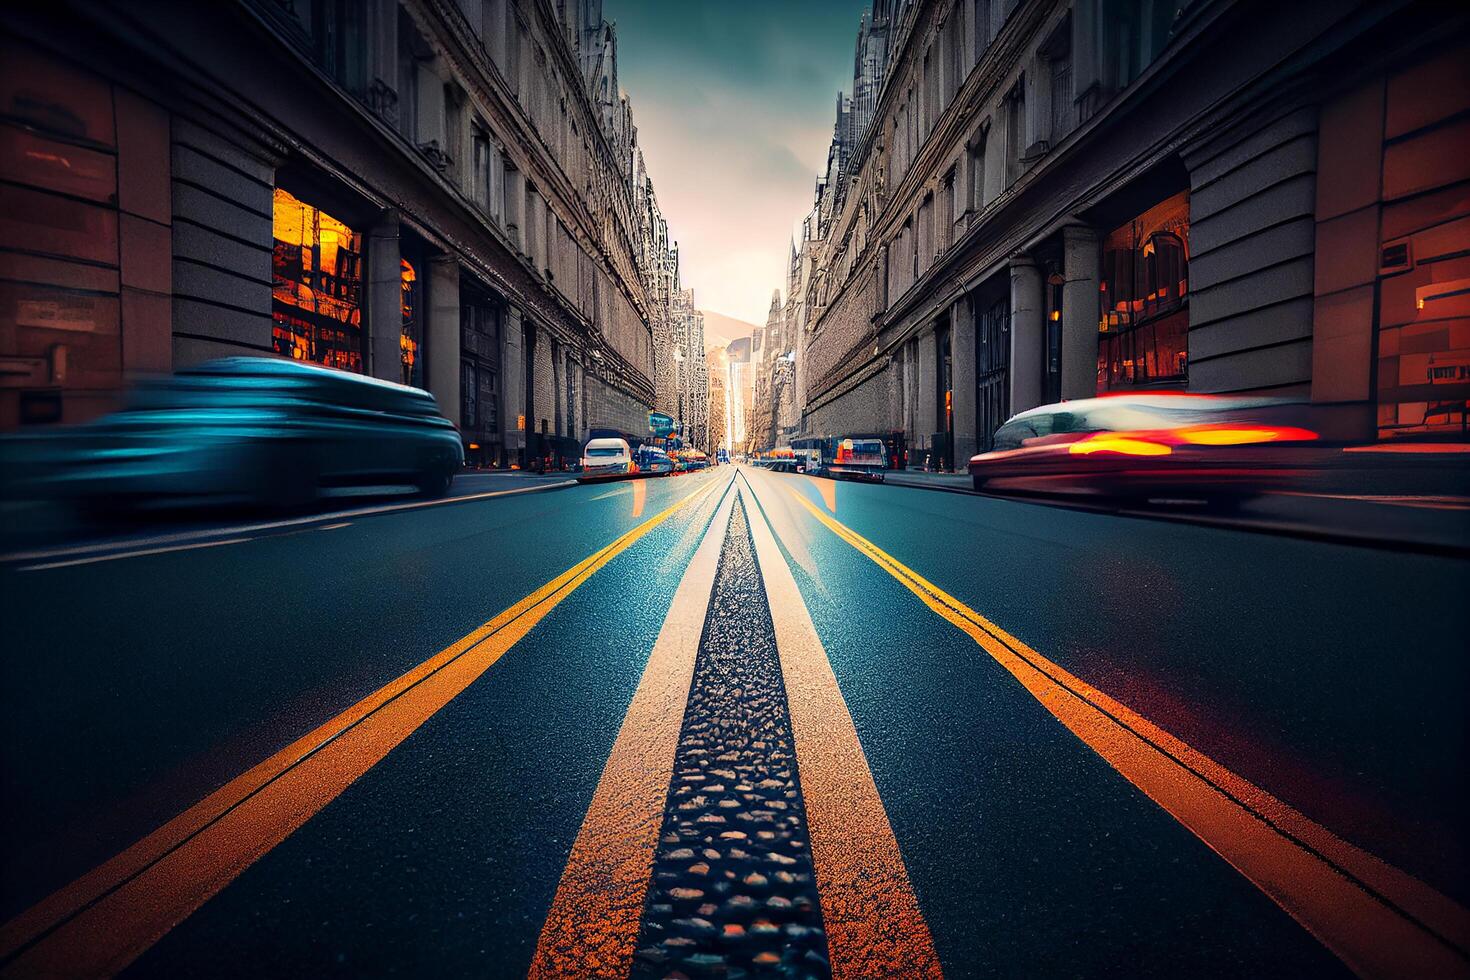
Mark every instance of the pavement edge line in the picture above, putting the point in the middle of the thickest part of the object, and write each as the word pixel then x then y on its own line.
pixel 121 547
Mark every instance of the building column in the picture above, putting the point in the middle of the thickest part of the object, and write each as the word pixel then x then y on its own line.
pixel 1028 334
pixel 926 363
pixel 894 373
pixel 962 368
pixel 385 300
pixel 1081 266
pixel 441 338
pixel 575 422
pixel 512 385
pixel 382 58
pixel 513 203
pixel 543 400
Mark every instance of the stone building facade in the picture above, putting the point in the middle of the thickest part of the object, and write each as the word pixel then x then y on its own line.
pixel 1059 198
pixel 691 402
pixel 447 193
pixel 717 369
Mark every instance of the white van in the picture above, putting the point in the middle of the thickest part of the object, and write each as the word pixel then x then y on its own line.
pixel 603 458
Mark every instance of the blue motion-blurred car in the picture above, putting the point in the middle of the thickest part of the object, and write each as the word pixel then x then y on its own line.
pixel 253 430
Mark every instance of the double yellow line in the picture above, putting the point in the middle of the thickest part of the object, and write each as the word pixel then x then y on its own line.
pixel 1377 919
pixel 104 920
pixel 873 922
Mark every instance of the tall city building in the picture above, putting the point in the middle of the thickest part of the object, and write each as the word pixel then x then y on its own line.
pixel 1046 199
pixel 691 380
pixel 717 368
pixel 450 195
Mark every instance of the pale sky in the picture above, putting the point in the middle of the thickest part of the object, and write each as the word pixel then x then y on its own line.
pixel 734 101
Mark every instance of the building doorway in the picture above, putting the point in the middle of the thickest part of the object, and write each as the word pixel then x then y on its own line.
pixel 992 370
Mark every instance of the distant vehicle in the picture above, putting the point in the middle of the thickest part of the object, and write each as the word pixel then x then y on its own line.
pixel 859 459
pixel 254 430
pixel 606 458
pixel 811 454
pixel 694 459
pixel 1218 447
pixel 653 461
pixel 722 457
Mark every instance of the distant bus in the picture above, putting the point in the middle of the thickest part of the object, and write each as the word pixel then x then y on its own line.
pixel 722 456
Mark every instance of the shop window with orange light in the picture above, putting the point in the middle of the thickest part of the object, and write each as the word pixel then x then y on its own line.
pixel 410 338
pixel 316 285
pixel 1143 333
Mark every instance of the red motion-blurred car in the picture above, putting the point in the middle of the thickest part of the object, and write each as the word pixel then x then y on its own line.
pixel 1213 447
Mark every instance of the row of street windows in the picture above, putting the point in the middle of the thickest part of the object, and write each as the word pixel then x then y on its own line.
pixel 1116 41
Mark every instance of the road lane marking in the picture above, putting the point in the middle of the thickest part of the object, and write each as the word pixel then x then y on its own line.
pixel 101 922
pixel 640 495
pixel 162 539
pixel 1377 919
pixel 873 921
pixel 131 554
pixel 591 928
pixel 335 527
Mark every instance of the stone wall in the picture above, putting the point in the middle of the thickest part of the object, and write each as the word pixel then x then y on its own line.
pixel 1251 237
pixel 864 408
pixel 222 201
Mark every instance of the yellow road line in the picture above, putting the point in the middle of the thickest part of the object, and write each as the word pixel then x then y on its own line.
pixel 592 927
pixel 102 921
pixel 1377 919
pixel 873 922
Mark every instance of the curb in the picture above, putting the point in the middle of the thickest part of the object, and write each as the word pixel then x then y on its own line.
pixel 1302 531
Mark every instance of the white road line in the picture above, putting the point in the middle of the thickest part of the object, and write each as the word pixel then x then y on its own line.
pixel 163 539
pixel 132 554
pixel 333 527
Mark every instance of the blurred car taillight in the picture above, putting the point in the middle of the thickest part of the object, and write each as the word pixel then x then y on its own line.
pixel 1125 444
pixel 1237 435
pixel 1161 442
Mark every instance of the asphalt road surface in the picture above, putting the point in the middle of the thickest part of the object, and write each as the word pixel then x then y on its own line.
pixel 732 723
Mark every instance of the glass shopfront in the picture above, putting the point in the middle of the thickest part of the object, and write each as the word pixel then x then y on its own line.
pixel 316 285
pixel 1143 334
pixel 411 338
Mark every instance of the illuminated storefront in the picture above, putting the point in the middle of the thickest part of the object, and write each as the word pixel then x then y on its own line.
pixel 1144 328
pixel 409 340
pixel 316 285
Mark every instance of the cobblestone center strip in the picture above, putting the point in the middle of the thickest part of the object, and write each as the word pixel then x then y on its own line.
pixel 733 892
